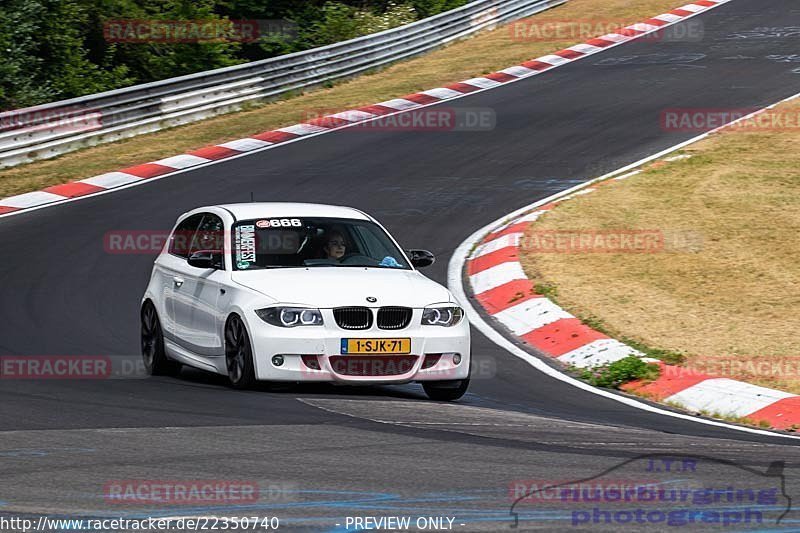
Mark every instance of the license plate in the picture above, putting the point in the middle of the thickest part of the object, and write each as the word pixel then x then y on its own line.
pixel 373 346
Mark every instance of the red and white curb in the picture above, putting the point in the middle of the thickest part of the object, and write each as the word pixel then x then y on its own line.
pixel 500 286
pixel 138 174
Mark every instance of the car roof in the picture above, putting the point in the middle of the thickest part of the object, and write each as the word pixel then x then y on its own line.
pixel 253 210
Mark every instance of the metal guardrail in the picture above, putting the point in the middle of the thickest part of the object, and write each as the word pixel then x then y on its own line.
pixel 51 129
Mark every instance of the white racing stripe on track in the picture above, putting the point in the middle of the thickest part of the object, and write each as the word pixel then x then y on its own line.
pixel 530 315
pixel 727 397
pixel 496 276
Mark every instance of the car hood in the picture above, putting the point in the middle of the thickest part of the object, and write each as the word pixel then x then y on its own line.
pixel 327 287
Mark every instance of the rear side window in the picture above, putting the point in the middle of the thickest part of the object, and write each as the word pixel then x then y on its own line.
pixel 181 238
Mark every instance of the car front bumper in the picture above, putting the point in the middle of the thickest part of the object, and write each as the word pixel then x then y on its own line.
pixel 324 344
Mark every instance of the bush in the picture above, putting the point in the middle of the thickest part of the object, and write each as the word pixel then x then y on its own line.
pixel 613 375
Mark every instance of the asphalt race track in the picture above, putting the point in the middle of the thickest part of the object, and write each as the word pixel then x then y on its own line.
pixel 332 452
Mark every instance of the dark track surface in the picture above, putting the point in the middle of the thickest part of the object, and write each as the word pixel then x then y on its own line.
pixel 64 295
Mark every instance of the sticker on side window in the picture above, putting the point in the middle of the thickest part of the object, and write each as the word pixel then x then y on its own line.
pixel 280 223
pixel 245 241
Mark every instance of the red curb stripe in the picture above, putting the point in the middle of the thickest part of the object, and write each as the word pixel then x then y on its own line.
pixel 214 152
pixel 673 379
pixel 420 98
pixel 507 295
pixel 562 336
pixel 74 189
pixel 602 43
pixel 568 54
pixel 782 414
pixel 655 22
pixel 503 255
pixel 462 87
pixel 329 122
pixel 501 77
pixel 377 109
pixel 680 12
pixel 629 32
pixel 275 136
pixel 704 3
pixel 148 170
pixel 4 209
pixel 537 65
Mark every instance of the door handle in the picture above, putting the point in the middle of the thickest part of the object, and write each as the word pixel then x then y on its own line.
pixel 178 281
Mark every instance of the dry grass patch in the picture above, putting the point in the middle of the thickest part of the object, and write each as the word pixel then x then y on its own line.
pixel 729 296
pixel 485 53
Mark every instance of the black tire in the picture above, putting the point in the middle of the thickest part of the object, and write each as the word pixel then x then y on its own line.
pixel 154 356
pixel 239 355
pixel 445 391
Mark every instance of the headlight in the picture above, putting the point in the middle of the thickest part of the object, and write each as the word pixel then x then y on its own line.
pixel 289 317
pixel 442 316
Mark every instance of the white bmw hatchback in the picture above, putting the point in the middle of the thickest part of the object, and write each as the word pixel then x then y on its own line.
pixel 301 292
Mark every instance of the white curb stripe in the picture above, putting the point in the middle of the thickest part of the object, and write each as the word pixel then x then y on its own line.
pixel 727 397
pixel 245 145
pixel 496 276
pixel 614 37
pixel 668 17
pixel 182 161
pixel 482 83
pixel 518 71
pixel 642 26
pixel 109 180
pixel 354 115
pixel 510 239
pixel 599 352
pixel 30 199
pixel 694 8
pixel 442 93
pixel 530 315
pixel 303 129
pixel 553 59
pixel 585 48
pixel 400 104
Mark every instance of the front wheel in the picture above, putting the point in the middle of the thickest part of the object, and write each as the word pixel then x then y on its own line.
pixel 445 391
pixel 153 354
pixel 239 355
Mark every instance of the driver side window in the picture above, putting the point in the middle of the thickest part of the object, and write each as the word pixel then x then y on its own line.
pixel 209 235
pixel 183 235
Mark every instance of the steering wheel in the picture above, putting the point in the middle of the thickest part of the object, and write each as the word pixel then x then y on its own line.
pixel 356 258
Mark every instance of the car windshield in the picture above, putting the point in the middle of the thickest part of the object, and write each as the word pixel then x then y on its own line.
pixel 313 242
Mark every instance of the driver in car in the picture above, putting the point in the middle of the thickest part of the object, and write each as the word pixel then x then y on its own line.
pixel 335 247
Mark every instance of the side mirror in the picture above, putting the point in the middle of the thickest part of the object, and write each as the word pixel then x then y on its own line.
pixel 421 258
pixel 206 259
